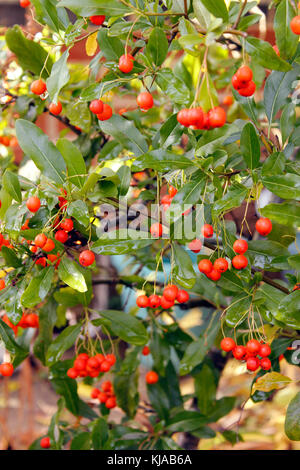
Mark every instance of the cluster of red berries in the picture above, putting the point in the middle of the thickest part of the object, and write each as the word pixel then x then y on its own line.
pixel 28 320
pixel 85 365
pixel 102 110
pixel 242 81
pixel 167 198
pixel 39 87
pixel 8 141
pixel 171 293
pixel 6 369
pixel 249 353
pixel 126 63
pixel 105 394
pixel 196 118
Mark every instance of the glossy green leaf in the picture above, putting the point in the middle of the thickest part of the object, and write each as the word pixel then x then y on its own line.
pixel 286 40
pixel 250 146
pixel 70 273
pixel 11 184
pixel 120 242
pixel 74 161
pixel 38 288
pixel 124 174
pixel 292 419
pixel 163 160
pixel 289 310
pixel 217 8
pixel 285 186
pixel 48 12
pixel 62 343
pixel 7 336
pixel 37 146
pixel 127 327
pixel 264 55
pixel 99 434
pixel 59 77
pixel 287 213
pixel 96 7
pixel 274 164
pixel 183 270
pixel 157 46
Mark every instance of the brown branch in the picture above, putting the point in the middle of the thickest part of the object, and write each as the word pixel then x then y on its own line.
pixel 240 14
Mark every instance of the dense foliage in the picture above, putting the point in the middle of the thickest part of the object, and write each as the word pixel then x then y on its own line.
pixel 196 166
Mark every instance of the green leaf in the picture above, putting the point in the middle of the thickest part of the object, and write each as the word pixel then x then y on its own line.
pixel 48 12
pixel 274 164
pixel 62 343
pixel 285 186
pixel 250 146
pixel 263 252
pixel 99 434
pixel 7 336
pixel 126 390
pixel 79 210
pixel 38 288
pixel 96 7
pixel 59 76
pixel 74 161
pixel 10 257
pixel 202 14
pixel 263 53
pixel 186 421
pixel 11 184
pixel 124 174
pixel 233 198
pixel 191 192
pixel 271 381
pixel 36 145
pixel 70 273
pixel 287 213
pixel 212 140
pixel 127 327
pixel 289 310
pixel 125 133
pixel 292 419
pixel 111 47
pixel 173 86
pixel 157 46
pixel 237 309
pixel 81 441
pixel 205 389
pixel 196 351
pixel 163 160
pixel 286 40
pixel 183 270
pixel 217 8
pixel 31 55
pixel 47 320
pixel 287 121
pixel 79 115
pixel 119 242
pixel 277 89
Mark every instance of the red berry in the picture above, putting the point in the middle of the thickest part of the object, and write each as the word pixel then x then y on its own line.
pixel 145 100
pixel 172 191
pixel 264 350
pixel 41 261
pixel 195 116
pixel 106 386
pixel 111 358
pixel 106 113
pixel 183 117
pixel 111 402
pixel 61 236
pixel 165 304
pixel 252 363
pixel 105 366
pixel 142 301
pixel 221 265
pixel 195 245
pixel 244 74
pixel 24 3
pixel 2 284
pixel 156 230
pixel 170 292
pixel 228 100
pixel 86 258
pixel 92 363
pixel 217 117
pixel 126 63
pixel 182 296
pixel 32 320
pixel 154 301
pixel 146 351
pixel 45 443
pixel 96 106
pixel 227 344
pixel 253 347
pixel 49 245
pixel 80 364
pixel 239 262
pixel 236 83
pixel 38 87
pixel 72 373
pixel 55 108
pixel 248 90
pixel 265 363
pixel 214 275
pixel 151 377
pixel 33 204
pixel 95 392
pixel 40 240
pixel 6 369
pixel 240 246
pixel 67 225
pixel 97 19
pixel 207 231
pixel 205 266
pixel 263 226
pixel 102 397
pixel 295 25
pixel 239 352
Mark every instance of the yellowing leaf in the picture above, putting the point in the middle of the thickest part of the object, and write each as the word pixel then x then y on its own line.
pixel 271 381
pixel 91 44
